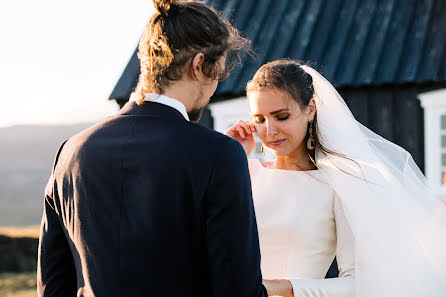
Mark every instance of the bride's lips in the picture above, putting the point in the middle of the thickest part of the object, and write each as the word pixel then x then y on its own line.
pixel 277 142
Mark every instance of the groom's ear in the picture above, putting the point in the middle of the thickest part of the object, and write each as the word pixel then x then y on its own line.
pixel 196 69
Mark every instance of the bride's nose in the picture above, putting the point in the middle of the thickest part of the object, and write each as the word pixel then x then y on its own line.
pixel 271 128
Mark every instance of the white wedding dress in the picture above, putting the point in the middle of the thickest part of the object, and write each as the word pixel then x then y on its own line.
pixel 302 227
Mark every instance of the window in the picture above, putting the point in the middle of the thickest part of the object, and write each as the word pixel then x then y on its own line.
pixel 434 104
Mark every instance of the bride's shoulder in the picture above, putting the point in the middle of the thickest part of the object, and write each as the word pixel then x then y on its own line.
pixel 253 163
pixel 256 163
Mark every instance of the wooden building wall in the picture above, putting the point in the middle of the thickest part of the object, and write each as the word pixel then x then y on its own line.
pixel 394 112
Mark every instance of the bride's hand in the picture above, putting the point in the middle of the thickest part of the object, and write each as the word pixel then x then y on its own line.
pixel 243 133
pixel 278 287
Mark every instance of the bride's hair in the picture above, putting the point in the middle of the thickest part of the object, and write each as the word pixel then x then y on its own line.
pixel 175 34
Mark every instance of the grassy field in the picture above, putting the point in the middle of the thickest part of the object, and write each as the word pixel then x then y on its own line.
pixel 30 231
pixel 18 284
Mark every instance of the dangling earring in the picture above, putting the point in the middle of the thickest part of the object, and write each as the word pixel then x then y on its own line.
pixel 312 160
pixel 310 141
pixel 262 149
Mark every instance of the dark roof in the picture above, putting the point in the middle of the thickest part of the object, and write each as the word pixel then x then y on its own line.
pixel 128 80
pixel 352 42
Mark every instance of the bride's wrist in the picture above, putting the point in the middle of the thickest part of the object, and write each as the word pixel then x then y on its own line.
pixel 288 288
pixel 279 287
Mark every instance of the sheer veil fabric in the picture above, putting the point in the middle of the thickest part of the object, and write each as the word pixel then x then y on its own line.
pixel 398 224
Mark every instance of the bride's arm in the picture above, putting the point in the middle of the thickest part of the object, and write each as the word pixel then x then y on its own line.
pixel 342 286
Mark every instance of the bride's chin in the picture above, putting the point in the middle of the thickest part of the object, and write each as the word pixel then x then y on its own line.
pixel 279 153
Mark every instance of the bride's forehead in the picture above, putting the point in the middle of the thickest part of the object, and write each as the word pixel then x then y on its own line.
pixel 266 101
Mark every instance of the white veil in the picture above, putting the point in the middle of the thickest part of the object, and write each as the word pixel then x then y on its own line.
pixel 398 224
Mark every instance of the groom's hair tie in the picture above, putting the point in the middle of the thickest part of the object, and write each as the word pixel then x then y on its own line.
pixel 175 34
pixel 163 6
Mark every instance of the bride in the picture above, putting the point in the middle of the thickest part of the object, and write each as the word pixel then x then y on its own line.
pixel 336 189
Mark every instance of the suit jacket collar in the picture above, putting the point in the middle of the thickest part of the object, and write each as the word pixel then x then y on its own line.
pixel 169 101
pixel 149 108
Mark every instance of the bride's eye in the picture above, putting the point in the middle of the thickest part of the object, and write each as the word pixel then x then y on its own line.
pixel 283 117
pixel 259 120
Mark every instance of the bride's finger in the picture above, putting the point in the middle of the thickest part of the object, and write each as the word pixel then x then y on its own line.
pixel 252 126
pixel 246 127
pixel 241 131
pixel 231 131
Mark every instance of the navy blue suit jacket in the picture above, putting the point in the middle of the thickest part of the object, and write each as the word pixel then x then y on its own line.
pixel 148 204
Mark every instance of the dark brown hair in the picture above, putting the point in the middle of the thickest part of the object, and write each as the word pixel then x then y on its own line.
pixel 175 34
pixel 288 76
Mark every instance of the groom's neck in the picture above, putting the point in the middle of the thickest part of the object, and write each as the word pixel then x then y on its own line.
pixel 184 91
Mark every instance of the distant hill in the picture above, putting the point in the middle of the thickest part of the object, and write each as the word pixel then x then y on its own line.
pixel 26 158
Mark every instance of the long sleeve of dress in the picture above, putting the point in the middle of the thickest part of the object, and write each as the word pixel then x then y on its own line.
pixel 342 286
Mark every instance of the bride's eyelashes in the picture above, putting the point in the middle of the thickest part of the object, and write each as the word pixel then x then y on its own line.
pixel 283 117
pixel 280 117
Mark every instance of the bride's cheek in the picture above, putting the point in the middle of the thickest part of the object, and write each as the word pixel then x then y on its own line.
pixel 260 132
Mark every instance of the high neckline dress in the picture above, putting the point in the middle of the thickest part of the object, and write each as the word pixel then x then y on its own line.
pixel 302 228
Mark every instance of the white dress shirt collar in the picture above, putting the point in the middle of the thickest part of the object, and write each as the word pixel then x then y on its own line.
pixel 174 103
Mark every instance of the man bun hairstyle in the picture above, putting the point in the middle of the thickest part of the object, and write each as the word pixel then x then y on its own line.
pixel 175 34
pixel 162 7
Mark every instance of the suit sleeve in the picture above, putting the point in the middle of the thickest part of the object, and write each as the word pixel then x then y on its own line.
pixel 56 274
pixel 231 228
pixel 344 285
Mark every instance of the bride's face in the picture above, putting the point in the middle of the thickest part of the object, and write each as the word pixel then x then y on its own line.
pixel 280 122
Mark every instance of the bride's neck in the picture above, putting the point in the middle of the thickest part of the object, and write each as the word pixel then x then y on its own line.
pixel 299 161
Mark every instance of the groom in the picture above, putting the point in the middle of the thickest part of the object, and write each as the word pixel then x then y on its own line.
pixel 147 203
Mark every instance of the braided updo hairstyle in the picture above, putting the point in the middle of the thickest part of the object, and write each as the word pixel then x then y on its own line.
pixel 176 33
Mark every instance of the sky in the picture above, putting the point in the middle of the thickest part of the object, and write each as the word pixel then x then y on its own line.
pixel 60 60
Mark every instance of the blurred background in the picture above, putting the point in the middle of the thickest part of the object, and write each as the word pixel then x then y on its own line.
pixel 65 65
pixel 59 62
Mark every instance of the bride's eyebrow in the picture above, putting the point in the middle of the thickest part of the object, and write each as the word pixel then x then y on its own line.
pixel 272 112
pixel 278 111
